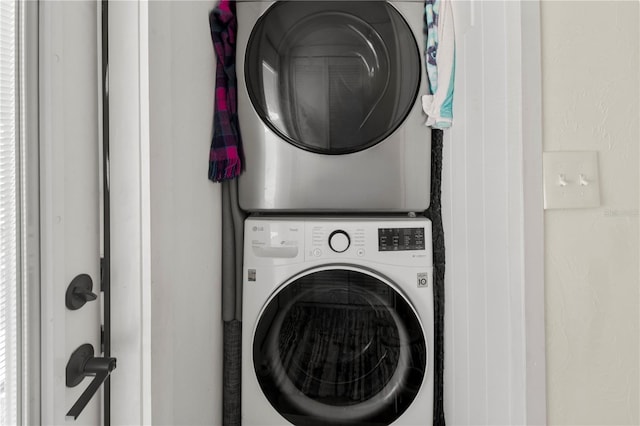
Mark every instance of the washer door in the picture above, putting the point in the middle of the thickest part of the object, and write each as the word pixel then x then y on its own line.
pixel 332 77
pixel 339 346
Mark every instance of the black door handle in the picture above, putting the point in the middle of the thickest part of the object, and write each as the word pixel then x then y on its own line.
pixel 81 364
pixel 79 292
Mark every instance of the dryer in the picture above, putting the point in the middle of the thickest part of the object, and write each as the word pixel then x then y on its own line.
pixel 328 107
pixel 337 322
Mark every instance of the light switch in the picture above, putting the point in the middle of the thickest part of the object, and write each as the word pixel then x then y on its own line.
pixel 571 180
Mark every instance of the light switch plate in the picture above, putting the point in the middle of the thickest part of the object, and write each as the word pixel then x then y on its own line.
pixel 571 180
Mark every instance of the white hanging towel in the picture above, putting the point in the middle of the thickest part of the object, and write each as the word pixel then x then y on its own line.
pixel 441 63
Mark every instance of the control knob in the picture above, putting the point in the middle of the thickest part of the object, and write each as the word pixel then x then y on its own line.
pixel 339 241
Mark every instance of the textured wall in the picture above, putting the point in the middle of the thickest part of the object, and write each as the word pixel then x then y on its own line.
pixel 185 219
pixel 590 102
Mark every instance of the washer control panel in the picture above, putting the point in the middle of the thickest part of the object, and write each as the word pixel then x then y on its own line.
pixel 327 239
pixel 390 241
pixel 400 239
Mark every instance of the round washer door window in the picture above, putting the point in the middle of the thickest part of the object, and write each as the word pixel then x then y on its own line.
pixel 339 346
pixel 332 77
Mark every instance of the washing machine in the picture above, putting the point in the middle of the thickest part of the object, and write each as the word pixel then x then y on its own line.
pixel 328 106
pixel 337 322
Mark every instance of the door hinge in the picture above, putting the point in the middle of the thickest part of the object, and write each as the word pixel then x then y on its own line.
pixel 102 274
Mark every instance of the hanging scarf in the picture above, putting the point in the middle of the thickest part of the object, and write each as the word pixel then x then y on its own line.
pixel 440 63
pixel 225 157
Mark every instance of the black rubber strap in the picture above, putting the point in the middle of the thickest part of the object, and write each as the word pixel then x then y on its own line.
pixel 435 215
pixel 232 373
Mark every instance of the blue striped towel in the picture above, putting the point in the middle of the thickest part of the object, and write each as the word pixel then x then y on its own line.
pixel 441 63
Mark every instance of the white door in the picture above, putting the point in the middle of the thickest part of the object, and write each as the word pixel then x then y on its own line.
pixel 71 203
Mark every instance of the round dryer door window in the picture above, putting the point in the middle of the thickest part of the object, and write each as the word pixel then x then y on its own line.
pixel 339 346
pixel 332 77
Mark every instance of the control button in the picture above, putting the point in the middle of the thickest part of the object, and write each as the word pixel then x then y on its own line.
pixel 317 252
pixel 360 252
pixel 339 241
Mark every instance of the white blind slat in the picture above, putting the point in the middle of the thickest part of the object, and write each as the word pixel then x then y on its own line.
pixel 8 214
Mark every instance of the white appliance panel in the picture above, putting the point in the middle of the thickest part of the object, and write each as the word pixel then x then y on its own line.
pixel 397 258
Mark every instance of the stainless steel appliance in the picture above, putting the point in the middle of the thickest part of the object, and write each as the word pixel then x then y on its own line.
pixel 328 106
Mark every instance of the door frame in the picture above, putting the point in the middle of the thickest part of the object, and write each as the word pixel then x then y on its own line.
pixel 130 191
pixel 493 217
pixel 533 212
pixel 28 274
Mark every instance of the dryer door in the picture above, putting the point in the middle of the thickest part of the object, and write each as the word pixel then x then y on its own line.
pixel 332 77
pixel 339 346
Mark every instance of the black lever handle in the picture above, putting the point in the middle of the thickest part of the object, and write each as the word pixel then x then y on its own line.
pixel 81 364
pixel 87 295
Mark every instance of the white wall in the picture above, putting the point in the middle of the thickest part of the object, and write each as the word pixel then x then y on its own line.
pixel 591 102
pixel 185 219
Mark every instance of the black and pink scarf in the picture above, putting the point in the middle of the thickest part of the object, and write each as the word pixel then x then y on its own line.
pixel 226 158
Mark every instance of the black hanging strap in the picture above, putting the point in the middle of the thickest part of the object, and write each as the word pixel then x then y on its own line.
pixel 434 213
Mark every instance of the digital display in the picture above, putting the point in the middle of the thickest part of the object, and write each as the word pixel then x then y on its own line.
pixel 400 239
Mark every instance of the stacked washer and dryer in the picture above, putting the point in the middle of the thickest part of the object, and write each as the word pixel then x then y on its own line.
pixel 337 279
